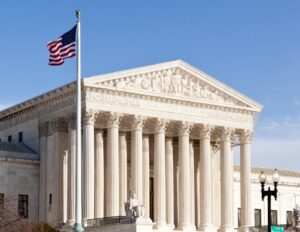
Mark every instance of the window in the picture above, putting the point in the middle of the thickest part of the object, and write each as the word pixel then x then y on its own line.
pixel 1 200
pixel 9 138
pixel 239 217
pixel 23 205
pixel 257 217
pixel 289 218
pixel 274 217
pixel 21 137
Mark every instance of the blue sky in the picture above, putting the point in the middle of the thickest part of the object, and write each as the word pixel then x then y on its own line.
pixel 252 46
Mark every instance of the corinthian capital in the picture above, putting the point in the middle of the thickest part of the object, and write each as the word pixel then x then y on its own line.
pixel 184 128
pixel 43 129
pixel 205 131
pixel 160 125
pixel 226 134
pixel 138 122
pixel 89 117
pixel 114 119
pixel 246 136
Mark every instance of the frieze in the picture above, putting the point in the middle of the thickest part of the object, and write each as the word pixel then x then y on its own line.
pixel 172 81
pixel 165 106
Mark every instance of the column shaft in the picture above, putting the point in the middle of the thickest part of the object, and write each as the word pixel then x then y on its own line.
pixel 137 162
pixel 159 176
pixel 43 129
pixel 146 176
pixel 123 172
pixel 170 182
pixel 113 166
pixel 226 183
pixel 246 193
pixel 71 173
pixel 192 182
pixel 99 175
pixel 205 180
pixel 88 169
pixel 184 179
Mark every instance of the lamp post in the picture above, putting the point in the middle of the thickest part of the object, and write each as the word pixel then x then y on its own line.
pixel 269 193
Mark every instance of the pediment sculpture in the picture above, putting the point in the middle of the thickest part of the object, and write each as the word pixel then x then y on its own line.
pixel 172 81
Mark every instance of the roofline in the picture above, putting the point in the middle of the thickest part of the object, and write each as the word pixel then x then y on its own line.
pixel 35 100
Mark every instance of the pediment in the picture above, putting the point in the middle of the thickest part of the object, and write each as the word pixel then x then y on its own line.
pixel 174 79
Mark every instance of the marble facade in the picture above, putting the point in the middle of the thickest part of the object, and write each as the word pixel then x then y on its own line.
pixel 161 132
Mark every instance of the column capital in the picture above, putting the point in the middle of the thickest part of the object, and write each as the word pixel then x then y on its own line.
pixel 57 125
pixel 72 121
pixel 43 129
pixel 160 125
pixel 246 136
pixel 114 119
pixel 184 128
pixel 138 122
pixel 205 131
pixel 89 117
pixel 226 134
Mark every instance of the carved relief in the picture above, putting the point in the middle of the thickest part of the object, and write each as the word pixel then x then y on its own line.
pixel 173 81
pixel 205 131
pixel 246 136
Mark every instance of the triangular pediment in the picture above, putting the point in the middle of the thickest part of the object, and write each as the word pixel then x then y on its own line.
pixel 174 79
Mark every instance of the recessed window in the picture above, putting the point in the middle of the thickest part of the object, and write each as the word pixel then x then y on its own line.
pixel 9 139
pixel 239 217
pixel 1 200
pixel 274 217
pixel 257 217
pixel 50 199
pixel 289 218
pixel 21 137
pixel 23 205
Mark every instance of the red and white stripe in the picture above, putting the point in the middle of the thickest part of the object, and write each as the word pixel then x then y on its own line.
pixel 58 52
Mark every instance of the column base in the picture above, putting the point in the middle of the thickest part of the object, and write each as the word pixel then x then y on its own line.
pixel 244 229
pixel 162 226
pixel 77 227
pixel 226 229
pixel 70 222
pixel 207 228
pixel 186 227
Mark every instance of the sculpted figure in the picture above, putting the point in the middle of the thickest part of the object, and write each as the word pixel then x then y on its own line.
pixel 135 206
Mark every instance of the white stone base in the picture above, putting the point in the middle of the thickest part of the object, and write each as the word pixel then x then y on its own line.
pixel 186 227
pixel 141 225
pixel 162 227
pixel 226 229
pixel 207 228
pixel 244 229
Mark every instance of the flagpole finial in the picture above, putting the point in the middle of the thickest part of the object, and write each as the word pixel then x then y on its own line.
pixel 78 14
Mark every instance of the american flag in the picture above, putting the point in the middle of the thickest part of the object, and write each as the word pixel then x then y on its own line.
pixel 62 48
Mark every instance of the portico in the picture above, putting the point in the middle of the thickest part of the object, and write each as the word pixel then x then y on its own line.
pixel 169 124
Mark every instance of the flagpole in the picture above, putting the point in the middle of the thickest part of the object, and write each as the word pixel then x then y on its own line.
pixel 78 212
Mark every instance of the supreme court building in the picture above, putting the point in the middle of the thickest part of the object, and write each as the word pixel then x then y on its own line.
pixel 165 132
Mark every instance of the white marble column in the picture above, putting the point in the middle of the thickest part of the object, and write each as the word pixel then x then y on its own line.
pixel 247 213
pixel 71 172
pixel 226 182
pixel 113 165
pixel 88 168
pixel 185 222
pixel 170 182
pixel 146 176
pixel 43 131
pixel 205 180
pixel 159 175
pixel 192 182
pixel 65 186
pixel 99 175
pixel 137 157
pixel 123 172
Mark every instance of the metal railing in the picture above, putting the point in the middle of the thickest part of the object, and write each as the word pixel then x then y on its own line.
pixel 108 221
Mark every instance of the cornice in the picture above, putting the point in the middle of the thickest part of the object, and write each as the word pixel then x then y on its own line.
pixel 167 99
